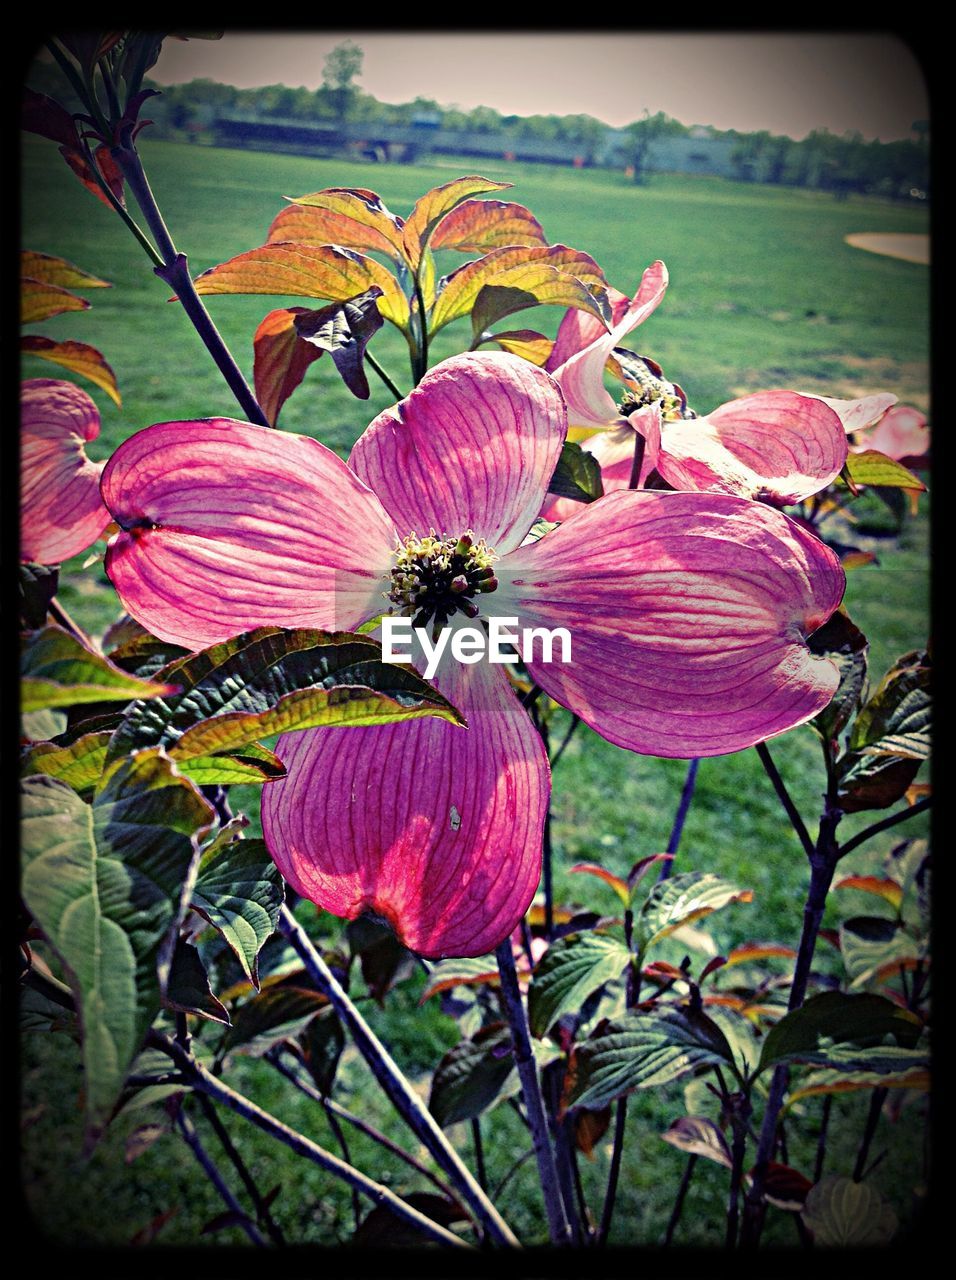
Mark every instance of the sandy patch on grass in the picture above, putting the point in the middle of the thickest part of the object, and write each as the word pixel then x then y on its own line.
pixel 909 247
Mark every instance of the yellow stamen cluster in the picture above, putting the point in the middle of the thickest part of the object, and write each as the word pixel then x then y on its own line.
pixel 646 385
pixel 437 576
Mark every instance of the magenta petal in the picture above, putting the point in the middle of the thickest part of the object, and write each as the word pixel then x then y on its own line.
pixel 61 512
pixel 227 526
pixel 688 615
pixel 614 452
pixel 579 329
pixel 472 448
pixel 901 434
pixel 581 377
pixel 436 828
pixel 775 444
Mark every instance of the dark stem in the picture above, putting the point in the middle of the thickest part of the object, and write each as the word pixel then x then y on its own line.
pixel 872 1119
pixel 175 272
pixel 120 209
pixel 736 1173
pixel 784 797
pixel 496 1195
pixel 479 1153
pixel 79 88
pixel 187 1129
pixel 822 1139
pixel 558 1228
pixel 584 1215
pixel 422 361
pixel 680 817
pixel 227 1144
pixel 679 1202
pixel 404 1098
pixel 552 1080
pixel 823 862
pixel 376 1192
pixel 617 1151
pixel 374 364
pixel 575 721
pixel 640 444
pixel 782 1143
pixel 883 824
pixel 60 615
pixel 346 1156
pixel 333 1108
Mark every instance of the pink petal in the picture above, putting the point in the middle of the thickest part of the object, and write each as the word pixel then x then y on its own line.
pixel 902 434
pixel 857 415
pixel 473 447
pixel 581 377
pixel 434 827
pixel 61 513
pixel 579 329
pixel 228 526
pixel 614 451
pixel 775 444
pixel 688 615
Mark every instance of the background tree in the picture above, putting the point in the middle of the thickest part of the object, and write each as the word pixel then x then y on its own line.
pixel 340 69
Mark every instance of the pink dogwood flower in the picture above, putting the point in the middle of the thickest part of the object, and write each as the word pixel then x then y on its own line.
pixel 775 445
pixel 61 512
pixel 689 615
pixel 878 422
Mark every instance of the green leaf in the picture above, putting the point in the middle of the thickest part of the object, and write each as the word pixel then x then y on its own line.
pixel 383 959
pixel 841 1212
pixel 569 971
pixel 814 1032
pixel 474 1076
pixel 80 764
pixel 896 720
pixel 698 1136
pixel 870 944
pixel 874 468
pixel 251 764
pixel 187 987
pixel 846 646
pixel 533 286
pixel 277 1013
pixel 59 671
pixel 239 891
pixel 344 329
pixel 680 900
pixel 836 1080
pixel 272 680
pixel 104 883
pixel 39 1013
pixel 468 972
pixel 37 586
pixel 577 475
pixel 643 1051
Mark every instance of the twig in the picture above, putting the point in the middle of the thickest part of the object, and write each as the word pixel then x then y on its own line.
pixel 479 1152
pixel 680 817
pixel 60 615
pixel 406 1101
pixel 374 364
pixel 227 1144
pixel 679 1202
pixel 872 1119
pixel 575 721
pixel 558 1228
pixel 822 1139
pixel 220 1092
pixel 784 797
pixel 919 807
pixel 187 1129
pixel 617 1151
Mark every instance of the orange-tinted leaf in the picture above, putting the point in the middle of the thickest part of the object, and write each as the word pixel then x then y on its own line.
pixel 434 205
pixel 835 1081
pixel 698 1136
pixel 41 114
pixel 856 559
pixel 752 951
pixel 887 889
pixel 307 271
pixel 460 291
pixel 78 356
pixel 785 1187
pixel 918 791
pixel 536 915
pixel 893 968
pixel 39 301
pixel 480 225
pixel 109 169
pixel 354 218
pixel 589 1128
pixel 471 972
pixel 280 361
pixel 531 346
pixel 51 270
pixel 617 884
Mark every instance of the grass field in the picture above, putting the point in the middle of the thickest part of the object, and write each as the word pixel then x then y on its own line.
pixel 764 293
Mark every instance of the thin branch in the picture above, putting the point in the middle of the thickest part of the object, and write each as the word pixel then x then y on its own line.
pixel 877 1099
pixel 680 817
pixel 496 1195
pixel 640 444
pixel 679 1202
pixel 191 1137
pixel 784 797
pixel 919 807
pixel 376 1192
pixel 374 364
pixel 479 1153
pixel 60 615
pixel 404 1098
pixel 822 1139
pixel 227 1144
pixel 558 1228
pixel 617 1151
pixel 575 721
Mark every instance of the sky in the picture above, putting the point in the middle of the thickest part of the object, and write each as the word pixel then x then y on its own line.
pixel 786 83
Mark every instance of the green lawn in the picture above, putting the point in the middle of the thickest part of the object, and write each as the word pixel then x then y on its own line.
pixel 764 293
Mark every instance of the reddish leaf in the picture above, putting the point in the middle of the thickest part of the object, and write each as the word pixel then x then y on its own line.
pixel 141 1139
pixel 698 1136
pixel 39 301
pixel 382 1227
pixel 619 886
pixel 77 356
pixel 887 889
pixel 434 205
pixel 785 1187
pixel 147 1234
pixel 460 973
pixel 109 170
pixel 751 951
pixel 42 115
pixel 349 216
pixel 589 1128
pixel 481 225
pixel 307 271
pixel 281 359
pixel 52 270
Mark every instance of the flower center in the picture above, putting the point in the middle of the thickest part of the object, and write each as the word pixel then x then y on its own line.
pixel 436 577
pixel 646 384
